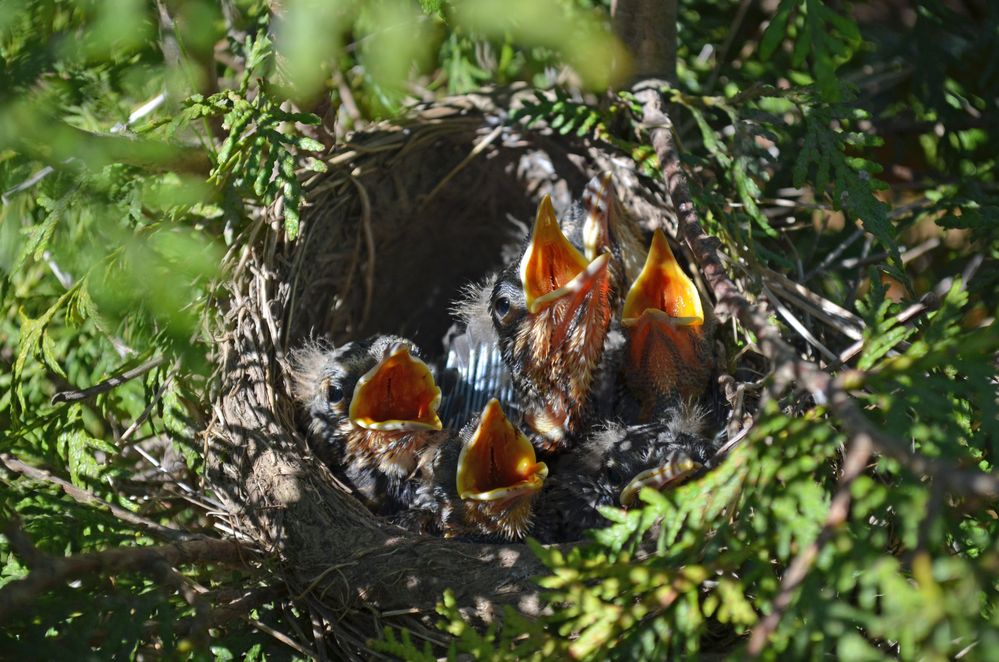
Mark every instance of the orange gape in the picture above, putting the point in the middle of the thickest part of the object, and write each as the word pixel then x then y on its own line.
pixel 399 393
pixel 495 459
pixel 551 262
pixel 497 456
pixel 396 394
pixel 662 285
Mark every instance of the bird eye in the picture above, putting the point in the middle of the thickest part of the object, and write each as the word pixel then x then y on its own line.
pixel 501 307
pixel 334 393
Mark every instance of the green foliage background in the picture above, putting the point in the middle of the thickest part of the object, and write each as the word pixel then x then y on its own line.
pixel 825 140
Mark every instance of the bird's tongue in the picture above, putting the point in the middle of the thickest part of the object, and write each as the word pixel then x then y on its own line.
pixel 498 461
pixel 397 394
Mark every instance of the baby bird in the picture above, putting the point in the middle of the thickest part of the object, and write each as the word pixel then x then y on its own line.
pixel 482 484
pixel 372 409
pixel 611 467
pixel 667 353
pixel 551 311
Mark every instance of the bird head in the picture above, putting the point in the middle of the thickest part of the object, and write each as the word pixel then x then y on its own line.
pixel 664 320
pixel 498 475
pixel 322 380
pixel 551 312
pixel 376 397
pixel 398 393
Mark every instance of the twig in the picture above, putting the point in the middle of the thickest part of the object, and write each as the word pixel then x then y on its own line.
pixel 797 325
pixel 135 116
pixel 907 257
pixel 137 423
pixel 283 638
pixel 369 238
pixel 929 301
pixel 834 254
pixel 16 595
pixel 108 384
pixel 83 496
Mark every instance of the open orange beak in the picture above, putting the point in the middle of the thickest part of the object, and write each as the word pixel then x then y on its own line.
pixel 663 310
pixel 663 290
pixel 553 270
pixel 397 394
pixel 552 267
pixel 498 462
pixel 658 478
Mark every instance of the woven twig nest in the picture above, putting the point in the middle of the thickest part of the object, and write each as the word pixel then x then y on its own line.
pixel 404 217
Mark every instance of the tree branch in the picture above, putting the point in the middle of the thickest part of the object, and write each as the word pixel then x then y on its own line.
pixel 108 384
pixel 88 499
pixel 16 595
pixel 789 369
pixel 854 463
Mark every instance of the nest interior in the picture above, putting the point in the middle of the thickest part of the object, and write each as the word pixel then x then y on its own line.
pixel 403 218
pixel 423 209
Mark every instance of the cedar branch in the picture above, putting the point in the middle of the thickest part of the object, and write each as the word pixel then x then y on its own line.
pixel 790 369
pixel 16 595
pixel 88 499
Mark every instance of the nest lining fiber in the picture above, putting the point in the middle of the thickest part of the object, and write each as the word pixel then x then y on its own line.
pixel 405 216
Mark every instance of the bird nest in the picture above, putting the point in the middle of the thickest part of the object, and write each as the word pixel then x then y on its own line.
pixel 405 215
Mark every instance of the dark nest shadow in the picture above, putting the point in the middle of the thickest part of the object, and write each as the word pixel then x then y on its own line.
pixel 405 215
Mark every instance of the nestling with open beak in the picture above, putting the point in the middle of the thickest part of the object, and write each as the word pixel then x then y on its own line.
pixel 613 464
pixel 372 406
pixel 668 351
pixel 484 482
pixel 551 311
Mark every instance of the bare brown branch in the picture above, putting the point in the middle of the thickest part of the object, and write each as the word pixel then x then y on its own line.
pixel 108 384
pixel 83 496
pixel 19 593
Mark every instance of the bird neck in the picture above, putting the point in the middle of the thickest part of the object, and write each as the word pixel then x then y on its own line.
pixel 395 453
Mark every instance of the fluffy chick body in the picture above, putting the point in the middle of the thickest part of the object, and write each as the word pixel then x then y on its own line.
pixel 597 471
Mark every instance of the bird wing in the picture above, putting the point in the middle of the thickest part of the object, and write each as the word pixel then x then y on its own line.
pixel 472 357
